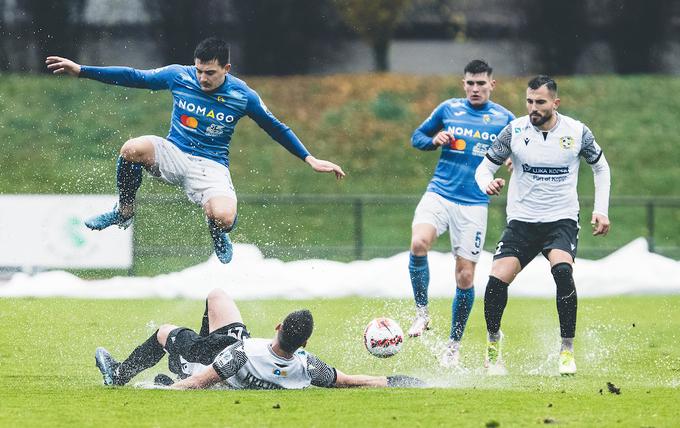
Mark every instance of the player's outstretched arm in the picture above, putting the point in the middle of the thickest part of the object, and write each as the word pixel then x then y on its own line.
pixel 347 381
pixel 200 380
pixel 320 165
pixel 59 65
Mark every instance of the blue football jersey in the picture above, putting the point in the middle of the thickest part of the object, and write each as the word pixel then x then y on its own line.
pixel 474 130
pixel 202 123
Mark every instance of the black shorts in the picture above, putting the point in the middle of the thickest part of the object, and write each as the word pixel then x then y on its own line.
pixel 186 346
pixel 525 240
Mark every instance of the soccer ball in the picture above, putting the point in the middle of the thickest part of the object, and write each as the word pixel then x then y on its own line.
pixel 383 337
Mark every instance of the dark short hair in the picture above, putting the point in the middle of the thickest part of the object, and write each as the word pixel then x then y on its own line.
pixel 211 49
pixel 296 328
pixel 541 80
pixel 477 66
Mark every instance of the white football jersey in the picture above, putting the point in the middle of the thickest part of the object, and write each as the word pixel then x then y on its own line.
pixel 251 364
pixel 543 182
pixel 266 370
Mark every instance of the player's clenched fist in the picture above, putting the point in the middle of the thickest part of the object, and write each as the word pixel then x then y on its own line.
pixel 494 187
pixel 441 138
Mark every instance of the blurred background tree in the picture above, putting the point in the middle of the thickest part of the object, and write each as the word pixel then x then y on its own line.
pixel 55 25
pixel 284 41
pixel 374 21
pixel 178 26
pixel 637 33
pixel 559 31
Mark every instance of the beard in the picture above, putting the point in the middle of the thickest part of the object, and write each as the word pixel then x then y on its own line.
pixel 538 120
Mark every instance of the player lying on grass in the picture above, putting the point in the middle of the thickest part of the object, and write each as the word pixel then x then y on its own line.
pixel 208 101
pixel 223 352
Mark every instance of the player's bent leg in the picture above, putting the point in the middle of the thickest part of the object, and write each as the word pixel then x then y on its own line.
pixel 139 150
pixel 422 237
pixel 221 214
pixel 222 310
pixel 135 154
pixel 145 356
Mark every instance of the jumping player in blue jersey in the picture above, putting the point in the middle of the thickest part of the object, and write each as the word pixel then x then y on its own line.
pixel 207 104
pixel 463 128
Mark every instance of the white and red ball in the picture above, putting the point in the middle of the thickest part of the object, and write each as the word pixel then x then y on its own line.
pixel 383 337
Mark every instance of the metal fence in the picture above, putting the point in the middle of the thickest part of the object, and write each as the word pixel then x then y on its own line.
pixel 639 214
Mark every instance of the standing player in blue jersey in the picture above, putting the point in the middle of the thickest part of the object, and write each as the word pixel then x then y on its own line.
pixel 463 129
pixel 207 104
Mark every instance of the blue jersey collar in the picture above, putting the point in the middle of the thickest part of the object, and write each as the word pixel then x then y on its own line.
pixel 477 108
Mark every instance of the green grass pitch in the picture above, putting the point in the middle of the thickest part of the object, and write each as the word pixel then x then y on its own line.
pixel 48 377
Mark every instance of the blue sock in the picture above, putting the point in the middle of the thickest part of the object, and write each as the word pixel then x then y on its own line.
pixel 128 179
pixel 460 311
pixel 215 229
pixel 420 278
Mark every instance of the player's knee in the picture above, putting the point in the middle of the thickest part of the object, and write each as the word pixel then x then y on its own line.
pixel 562 271
pixel 133 150
pixel 163 332
pixel 465 278
pixel 217 295
pixel 420 245
pixel 223 216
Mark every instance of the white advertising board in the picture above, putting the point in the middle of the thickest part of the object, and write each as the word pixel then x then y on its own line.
pixel 48 231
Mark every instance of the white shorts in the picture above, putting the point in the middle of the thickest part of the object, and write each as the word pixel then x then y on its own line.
pixel 201 178
pixel 466 223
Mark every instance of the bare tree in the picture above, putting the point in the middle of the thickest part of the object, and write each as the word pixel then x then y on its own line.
pixel 559 30
pixel 637 31
pixel 375 22
pixel 4 33
pixel 55 25
pixel 179 25
pixel 287 40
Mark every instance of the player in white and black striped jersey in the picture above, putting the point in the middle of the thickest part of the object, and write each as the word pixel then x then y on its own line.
pixel 542 209
pixel 223 352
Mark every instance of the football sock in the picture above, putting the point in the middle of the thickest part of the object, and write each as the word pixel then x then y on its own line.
pixel 495 299
pixel 128 179
pixel 567 344
pixel 205 323
pixel 460 311
pixel 567 301
pixel 145 356
pixel 215 229
pixel 419 270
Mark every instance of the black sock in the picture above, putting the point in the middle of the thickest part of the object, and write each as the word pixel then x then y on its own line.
pixel 495 299
pixel 128 179
pixel 205 324
pixel 567 301
pixel 146 355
